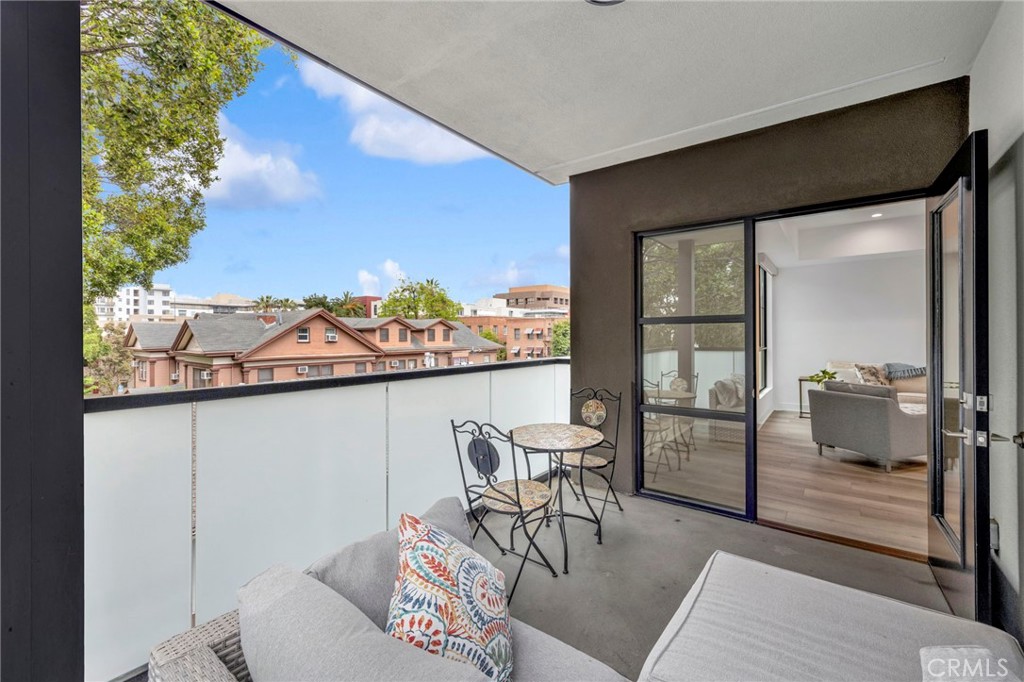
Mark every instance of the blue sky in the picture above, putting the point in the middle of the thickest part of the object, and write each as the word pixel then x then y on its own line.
pixel 326 187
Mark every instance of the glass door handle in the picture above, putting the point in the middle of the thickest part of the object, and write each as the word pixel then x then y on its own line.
pixel 962 435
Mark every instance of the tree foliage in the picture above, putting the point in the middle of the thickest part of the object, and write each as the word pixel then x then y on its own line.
pixel 344 306
pixel 491 336
pixel 560 339
pixel 113 367
pixel 155 76
pixel 92 336
pixel 414 300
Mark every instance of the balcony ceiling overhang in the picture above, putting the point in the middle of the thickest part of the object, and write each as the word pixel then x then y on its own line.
pixel 565 87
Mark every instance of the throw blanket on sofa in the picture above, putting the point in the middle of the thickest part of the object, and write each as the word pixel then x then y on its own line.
pixel 901 370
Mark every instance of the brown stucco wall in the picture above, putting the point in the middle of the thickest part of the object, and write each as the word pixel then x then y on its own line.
pixel 893 144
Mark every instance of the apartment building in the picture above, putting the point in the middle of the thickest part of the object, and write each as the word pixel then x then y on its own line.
pixel 524 338
pixel 371 305
pixel 537 297
pixel 161 302
pixel 245 348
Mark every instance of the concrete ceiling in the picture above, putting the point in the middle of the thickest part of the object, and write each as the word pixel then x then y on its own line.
pixel 564 87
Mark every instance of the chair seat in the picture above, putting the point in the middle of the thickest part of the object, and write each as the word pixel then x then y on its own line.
pixel 573 459
pixel 532 495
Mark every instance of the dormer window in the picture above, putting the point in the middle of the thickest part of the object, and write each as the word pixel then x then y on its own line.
pixel 384 335
pixel 302 334
pixel 446 335
pixel 431 335
pixel 403 334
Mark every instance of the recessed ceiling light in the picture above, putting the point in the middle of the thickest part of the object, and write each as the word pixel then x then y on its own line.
pixel 876 215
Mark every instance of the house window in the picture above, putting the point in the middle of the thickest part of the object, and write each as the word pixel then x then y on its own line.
pixel 431 335
pixel 384 335
pixel 517 333
pixel 412 364
pixel 143 370
pixel 320 371
pixel 380 366
pixel 446 335
pixel 360 368
pixel 265 375
pixel 479 329
pixel 487 358
pixel 494 329
pixel 504 330
pixel 302 334
pixel 330 334
pixel 403 334
pixel 459 362
pixel 398 364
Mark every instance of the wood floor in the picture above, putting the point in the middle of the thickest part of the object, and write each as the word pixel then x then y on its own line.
pixel 840 493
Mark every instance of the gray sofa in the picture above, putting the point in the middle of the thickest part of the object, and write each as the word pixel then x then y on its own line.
pixel 866 419
pixel 741 620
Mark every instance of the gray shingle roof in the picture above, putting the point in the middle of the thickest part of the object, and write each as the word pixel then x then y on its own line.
pixel 464 337
pixel 155 335
pixel 238 331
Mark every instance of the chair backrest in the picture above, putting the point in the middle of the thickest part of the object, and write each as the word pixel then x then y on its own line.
pixel 873 390
pixel 600 409
pixel 479 445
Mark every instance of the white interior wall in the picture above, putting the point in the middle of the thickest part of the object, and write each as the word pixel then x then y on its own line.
pixel 864 310
pixel 997 104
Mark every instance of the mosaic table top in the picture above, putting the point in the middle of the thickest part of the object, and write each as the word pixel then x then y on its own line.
pixel 556 437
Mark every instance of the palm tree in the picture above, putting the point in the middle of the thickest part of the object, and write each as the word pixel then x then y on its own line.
pixel 285 304
pixel 265 304
pixel 348 306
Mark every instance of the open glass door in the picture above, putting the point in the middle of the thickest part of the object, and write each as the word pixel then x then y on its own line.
pixel 694 409
pixel 958 531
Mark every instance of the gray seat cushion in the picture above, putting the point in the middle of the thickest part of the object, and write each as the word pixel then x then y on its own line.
pixel 744 620
pixel 364 572
pixel 296 628
pixel 539 657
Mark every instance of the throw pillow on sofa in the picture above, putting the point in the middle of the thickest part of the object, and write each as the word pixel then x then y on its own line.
pixel 872 374
pixel 450 601
pixel 364 572
pixel 294 627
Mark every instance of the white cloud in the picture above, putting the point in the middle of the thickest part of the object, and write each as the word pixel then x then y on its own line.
pixel 510 276
pixel 563 251
pixel 369 282
pixel 251 178
pixel 392 270
pixel 382 128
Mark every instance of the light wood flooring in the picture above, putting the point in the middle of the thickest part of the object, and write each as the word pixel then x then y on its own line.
pixel 840 493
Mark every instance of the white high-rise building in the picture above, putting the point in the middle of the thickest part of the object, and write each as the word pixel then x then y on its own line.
pixel 132 302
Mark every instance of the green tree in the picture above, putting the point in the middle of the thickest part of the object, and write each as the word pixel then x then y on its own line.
pixel 316 301
pixel 285 304
pixel 560 338
pixel 92 336
pixel 491 336
pixel 114 366
pixel 155 76
pixel 416 300
pixel 266 304
pixel 348 306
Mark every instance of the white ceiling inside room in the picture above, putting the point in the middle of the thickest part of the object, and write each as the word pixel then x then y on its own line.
pixel 879 231
pixel 563 87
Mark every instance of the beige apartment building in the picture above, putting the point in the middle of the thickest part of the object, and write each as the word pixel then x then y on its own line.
pixel 246 348
pixel 537 297
pixel 524 338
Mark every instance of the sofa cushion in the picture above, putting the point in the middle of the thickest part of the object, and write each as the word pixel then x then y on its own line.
pixel 364 572
pixel 744 620
pixel 450 601
pixel 296 628
pixel 912 385
pixel 861 389
pixel 872 374
pixel 540 657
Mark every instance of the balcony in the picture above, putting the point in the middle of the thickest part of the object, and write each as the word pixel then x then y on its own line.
pixel 190 494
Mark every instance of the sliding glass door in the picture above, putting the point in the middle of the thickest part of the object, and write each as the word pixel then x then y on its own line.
pixel 694 401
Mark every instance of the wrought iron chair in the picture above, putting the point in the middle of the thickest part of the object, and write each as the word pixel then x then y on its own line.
pixel 520 498
pixel 600 409
pixel 662 432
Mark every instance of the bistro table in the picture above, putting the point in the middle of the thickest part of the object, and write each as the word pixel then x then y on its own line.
pixel 556 440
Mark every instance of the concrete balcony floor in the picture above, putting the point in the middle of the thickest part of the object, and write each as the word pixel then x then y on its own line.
pixel 618 596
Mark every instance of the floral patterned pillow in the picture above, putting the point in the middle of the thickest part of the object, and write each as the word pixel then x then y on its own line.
pixel 450 601
pixel 872 374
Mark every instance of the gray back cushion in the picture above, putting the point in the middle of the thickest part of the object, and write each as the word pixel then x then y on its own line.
pixel 365 572
pixel 296 628
pixel 862 389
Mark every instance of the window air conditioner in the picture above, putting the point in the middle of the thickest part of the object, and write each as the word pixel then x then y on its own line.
pixel 174 376
pixel 332 337
pixel 206 374
pixel 394 363
pixel 302 369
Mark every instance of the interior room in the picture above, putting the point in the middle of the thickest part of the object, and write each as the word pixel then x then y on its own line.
pixel 842 298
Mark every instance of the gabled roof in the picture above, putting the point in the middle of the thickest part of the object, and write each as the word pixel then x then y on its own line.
pixel 152 335
pixel 232 332
pixel 374 322
pixel 430 322
pixel 464 337
pixel 290 324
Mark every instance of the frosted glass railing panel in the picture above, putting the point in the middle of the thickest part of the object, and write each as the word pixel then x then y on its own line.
pixel 523 396
pixel 284 478
pixel 562 392
pixel 422 461
pixel 137 534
